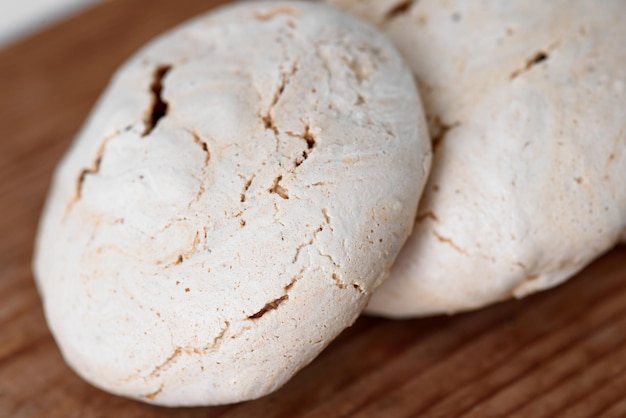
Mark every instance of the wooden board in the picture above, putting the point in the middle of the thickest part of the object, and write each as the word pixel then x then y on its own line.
pixel 560 353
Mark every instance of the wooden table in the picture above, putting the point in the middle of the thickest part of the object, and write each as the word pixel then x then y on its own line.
pixel 560 353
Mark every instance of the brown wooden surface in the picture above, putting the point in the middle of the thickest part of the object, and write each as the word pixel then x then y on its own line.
pixel 560 353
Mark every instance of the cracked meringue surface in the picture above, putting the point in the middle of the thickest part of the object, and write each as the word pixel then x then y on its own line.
pixel 240 189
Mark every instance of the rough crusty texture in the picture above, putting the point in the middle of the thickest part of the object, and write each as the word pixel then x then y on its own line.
pixel 239 191
pixel 526 104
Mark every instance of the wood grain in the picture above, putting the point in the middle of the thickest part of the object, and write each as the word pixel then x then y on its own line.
pixel 560 353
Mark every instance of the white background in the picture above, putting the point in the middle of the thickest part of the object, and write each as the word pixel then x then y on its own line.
pixel 18 18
